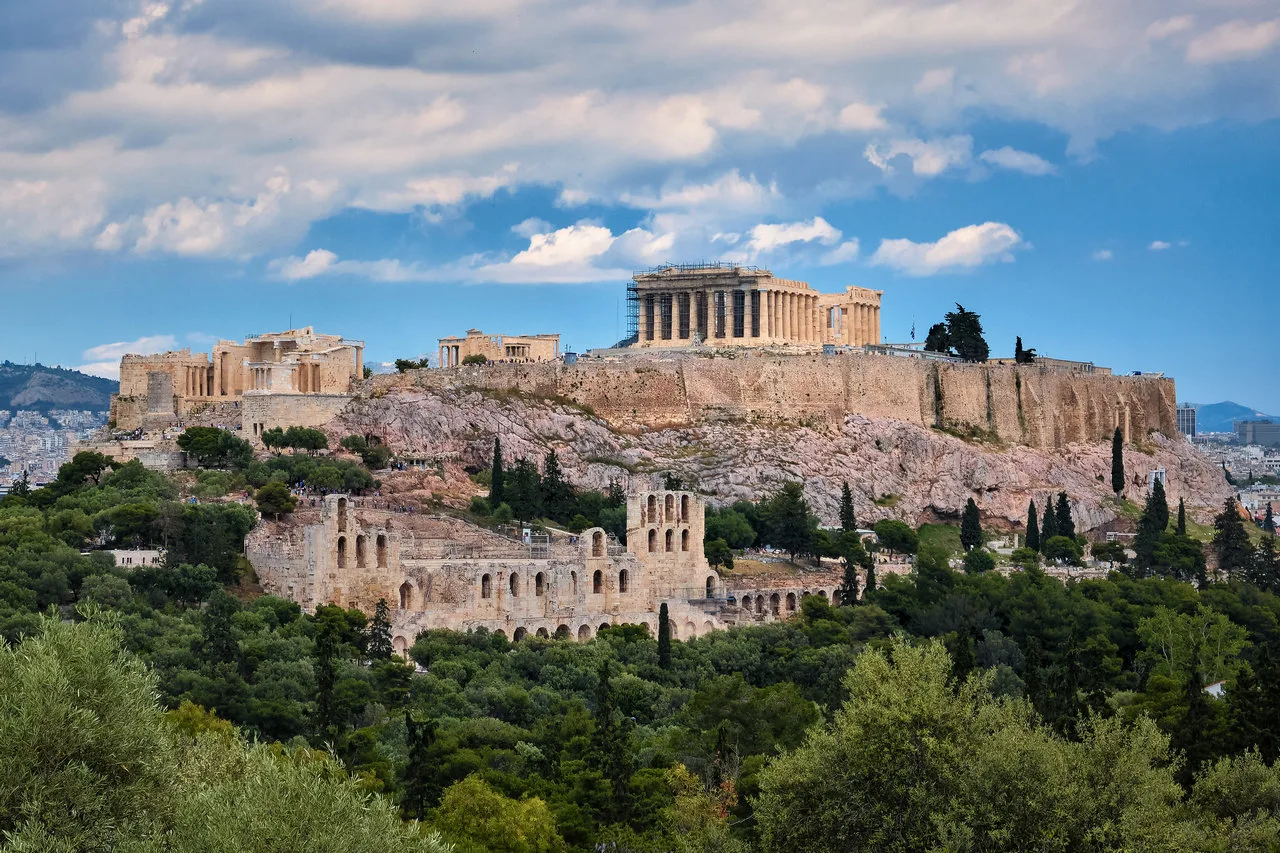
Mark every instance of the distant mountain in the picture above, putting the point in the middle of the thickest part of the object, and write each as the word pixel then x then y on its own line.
pixel 41 388
pixel 1220 417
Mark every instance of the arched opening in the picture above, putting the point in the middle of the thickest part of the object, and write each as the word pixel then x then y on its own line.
pixel 486 587
pixel 597 582
pixel 406 596
pixel 563 632
pixel 401 646
pixel 791 602
pixel 539 583
pixel 746 603
pixel 759 604
pixel 653 541
pixel 597 544
pixel 542 632
pixel 498 632
pixel 573 582
pixel 342 552
pixel 684 540
pixel 650 516
pixel 690 630
pixel 603 626
pixel 342 515
pixel 514 584
pixel 775 604
pixel 822 593
pixel 684 509
pixel 711 586
pixel 519 634
pixel 671 540
pixel 382 550
pixel 671 626
pixel 708 627
pixel 669 509
pixel 622 581
pixel 584 633
pixel 360 551
pixel 648 629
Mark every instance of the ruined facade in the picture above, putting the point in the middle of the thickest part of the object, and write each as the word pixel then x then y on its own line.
pixel 158 389
pixel 730 305
pixel 498 347
pixel 440 572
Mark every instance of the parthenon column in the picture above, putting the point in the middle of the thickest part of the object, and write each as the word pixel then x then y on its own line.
pixel 862 324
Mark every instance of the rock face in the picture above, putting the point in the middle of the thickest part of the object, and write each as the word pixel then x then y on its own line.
pixel 896 468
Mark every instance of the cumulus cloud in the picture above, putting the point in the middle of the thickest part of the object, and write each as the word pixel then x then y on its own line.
pixel 769 238
pixel 1102 255
pixel 529 227
pixel 1167 27
pixel 104 359
pixel 842 254
pixel 1234 40
pixel 861 117
pixel 928 159
pixel 1019 161
pixel 964 248
pixel 37 214
pixel 935 80
pixel 1159 245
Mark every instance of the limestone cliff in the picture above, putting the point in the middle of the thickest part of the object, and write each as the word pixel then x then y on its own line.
pixel 914 471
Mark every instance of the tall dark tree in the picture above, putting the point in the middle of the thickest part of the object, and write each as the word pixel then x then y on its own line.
pixel 938 340
pixel 789 520
pixel 379 639
pixel 1033 527
pixel 1264 569
pixel 557 495
pixel 1269 520
pixel 664 637
pixel 611 747
pixel 971 526
pixel 964 330
pixel 497 481
pixel 524 491
pixel 1255 704
pixel 1062 515
pixel 854 555
pixel 1231 542
pixel 1151 527
pixel 1023 356
pixel 848 520
pixel 420 789
pixel 218 643
pixel 1049 524
pixel 1181 527
pixel 1117 462
pixel 869 588
pixel 324 663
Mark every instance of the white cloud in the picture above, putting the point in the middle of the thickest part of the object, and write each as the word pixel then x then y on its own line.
pixel 529 227
pixel 1159 245
pixel 842 254
pixel 317 262
pixel 440 190
pixel 964 248
pixel 935 80
pixel 1019 161
pixel 729 190
pixel 861 117
pixel 1234 40
pixel 1102 255
pixel 48 213
pixel 769 238
pixel 1167 27
pixel 928 159
pixel 150 14
pixel 104 359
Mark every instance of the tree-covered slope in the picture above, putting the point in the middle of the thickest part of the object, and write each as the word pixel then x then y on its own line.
pixel 35 386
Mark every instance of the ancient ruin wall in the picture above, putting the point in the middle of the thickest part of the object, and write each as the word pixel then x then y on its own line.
pixel 1025 405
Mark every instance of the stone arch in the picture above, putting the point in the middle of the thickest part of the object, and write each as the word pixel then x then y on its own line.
pixel 775 604
pixel 499 633
pixel 708 627
pixel 671 626
pixel 690 630
pixel 746 603
pixel 382 550
pixel 542 632
pixel 573 582
pixel 539 584
pixel 406 596
pixel 760 603
pixel 401 646
pixel 711 586
pixel 597 582
pixel 603 625
pixel 652 509
pixel 670 538
pixel 486 586
pixel 791 602
pixel 342 515
pixel 669 509
pixel 822 593
pixel 653 540
pixel 514 584
pixel 684 540
pixel 519 634
pixel 623 579
pixel 597 544
pixel 684 510
pixel 562 632
pixel 360 540
pixel 584 633
pixel 342 552
pixel 648 629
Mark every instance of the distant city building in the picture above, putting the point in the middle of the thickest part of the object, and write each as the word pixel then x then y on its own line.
pixel 1265 433
pixel 498 347
pixel 1187 420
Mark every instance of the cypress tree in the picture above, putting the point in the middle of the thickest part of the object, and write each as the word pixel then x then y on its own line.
pixel 379 643
pixel 970 526
pixel 497 484
pixel 1181 529
pixel 1117 462
pixel 1049 526
pixel 664 637
pixel 1017 350
pixel 611 748
pixel 419 791
pixel 853 554
pixel 1033 528
pixel 1264 569
pixel 1161 506
pixel 1269 521
pixel 1151 526
pixel 848 521
pixel 557 496
pixel 1231 542
pixel 1066 524
pixel 869 589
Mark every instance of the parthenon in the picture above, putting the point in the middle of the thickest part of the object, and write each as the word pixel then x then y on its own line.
pixel 730 305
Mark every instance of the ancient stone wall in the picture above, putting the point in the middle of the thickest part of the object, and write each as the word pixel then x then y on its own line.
pixel 261 412
pixel 1024 405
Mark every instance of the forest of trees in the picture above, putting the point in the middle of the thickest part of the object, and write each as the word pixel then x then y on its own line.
pixel 173 709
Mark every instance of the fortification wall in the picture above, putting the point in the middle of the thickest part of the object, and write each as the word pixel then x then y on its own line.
pixel 1025 404
pixel 261 412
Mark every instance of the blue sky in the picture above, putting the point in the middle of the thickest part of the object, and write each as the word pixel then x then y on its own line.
pixel 1101 181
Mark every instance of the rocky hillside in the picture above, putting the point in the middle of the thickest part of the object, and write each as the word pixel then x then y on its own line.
pixel 896 469
pixel 35 386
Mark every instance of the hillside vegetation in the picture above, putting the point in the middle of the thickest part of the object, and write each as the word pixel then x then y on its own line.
pixel 40 388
